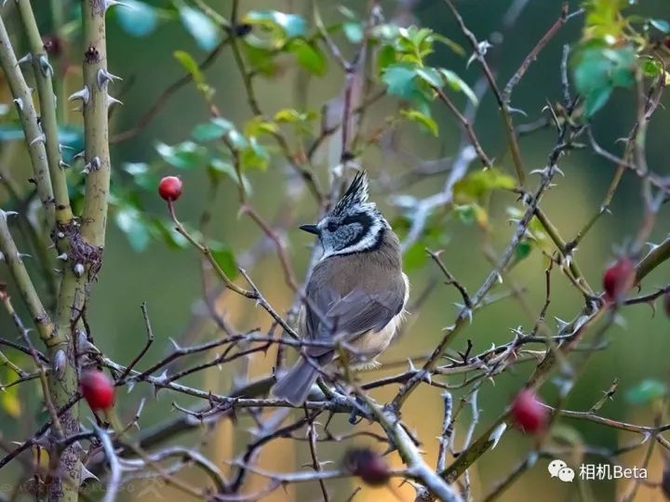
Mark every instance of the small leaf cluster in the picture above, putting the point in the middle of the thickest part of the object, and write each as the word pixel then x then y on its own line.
pixel 614 49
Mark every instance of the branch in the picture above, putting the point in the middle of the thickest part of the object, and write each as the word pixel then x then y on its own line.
pixel 31 129
pixel 43 73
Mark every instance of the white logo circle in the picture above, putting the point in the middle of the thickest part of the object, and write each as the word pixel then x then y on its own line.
pixel 555 467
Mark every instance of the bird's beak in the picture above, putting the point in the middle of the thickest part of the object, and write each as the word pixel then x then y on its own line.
pixel 312 229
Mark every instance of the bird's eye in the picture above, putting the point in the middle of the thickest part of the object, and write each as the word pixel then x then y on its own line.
pixel 332 226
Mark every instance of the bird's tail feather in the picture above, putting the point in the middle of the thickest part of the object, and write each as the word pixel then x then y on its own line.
pixel 296 384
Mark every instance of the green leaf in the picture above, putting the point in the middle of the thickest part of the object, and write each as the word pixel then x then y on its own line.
pixel 310 57
pixel 416 42
pixel 465 214
pixel 219 166
pixel 523 249
pixel 424 120
pixel 254 156
pixel 205 32
pixel 225 258
pixel 399 78
pixel 134 226
pixel 456 48
pixel 290 25
pixel 385 57
pixel 136 18
pixel 186 155
pixel 469 214
pixel 598 68
pixel 457 84
pixel 214 129
pixel 164 230
pixel 261 60
pixel 141 174
pixel 189 64
pixel 604 20
pixel 353 31
pixel 258 126
pixel 646 391
pixel 430 75
pixel 651 67
pixel 289 115
pixel 476 184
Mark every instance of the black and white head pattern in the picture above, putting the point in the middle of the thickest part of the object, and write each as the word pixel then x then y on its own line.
pixel 354 225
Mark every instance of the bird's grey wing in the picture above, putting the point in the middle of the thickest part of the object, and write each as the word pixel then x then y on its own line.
pixel 321 300
pixel 348 316
pixel 360 311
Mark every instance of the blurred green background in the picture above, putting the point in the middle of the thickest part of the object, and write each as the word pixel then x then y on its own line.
pixel 170 282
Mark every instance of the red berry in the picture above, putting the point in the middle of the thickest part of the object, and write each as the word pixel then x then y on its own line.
pixel 98 389
pixel 618 279
pixel 170 188
pixel 368 465
pixel 528 413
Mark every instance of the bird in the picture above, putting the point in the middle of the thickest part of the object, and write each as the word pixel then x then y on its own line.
pixel 356 294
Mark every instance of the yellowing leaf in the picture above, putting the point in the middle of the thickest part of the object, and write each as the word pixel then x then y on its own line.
pixel 481 216
pixel 257 126
pixel 476 184
pixel 427 122
pixel 10 402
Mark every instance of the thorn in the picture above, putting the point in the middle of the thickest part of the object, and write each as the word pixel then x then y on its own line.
pixel 25 59
pixel 93 165
pixel 497 434
pixel 79 155
pixel 558 170
pixel 412 368
pixel 517 110
pixel 62 256
pixel 163 376
pixel 86 475
pixel 112 101
pixel 60 235
pixel 561 324
pixel 652 246
pixel 567 260
pixel 46 68
pixel 23 255
pixel 78 269
pixel 11 213
pixel 19 103
pixel 104 77
pixel 59 363
pixel 39 139
pixel 543 172
pixel 63 165
pixel 114 3
pixel 82 94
